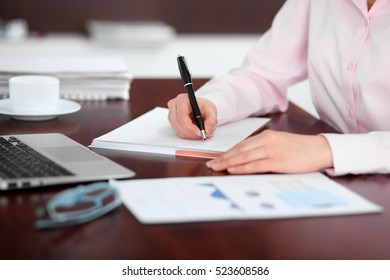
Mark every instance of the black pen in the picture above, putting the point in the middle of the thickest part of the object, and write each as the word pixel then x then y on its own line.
pixel 186 77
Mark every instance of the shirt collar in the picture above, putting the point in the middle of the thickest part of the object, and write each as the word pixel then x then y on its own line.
pixel 362 5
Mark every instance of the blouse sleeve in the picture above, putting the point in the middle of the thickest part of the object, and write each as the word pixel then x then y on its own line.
pixel 360 153
pixel 276 61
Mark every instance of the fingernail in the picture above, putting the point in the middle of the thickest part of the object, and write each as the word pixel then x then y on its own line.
pixel 215 165
pixel 231 169
pixel 212 130
pixel 209 164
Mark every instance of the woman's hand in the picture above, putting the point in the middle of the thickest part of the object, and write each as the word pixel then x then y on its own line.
pixel 182 121
pixel 278 152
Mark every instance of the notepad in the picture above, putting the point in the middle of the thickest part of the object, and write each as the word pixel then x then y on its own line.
pixel 152 133
pixel 217 198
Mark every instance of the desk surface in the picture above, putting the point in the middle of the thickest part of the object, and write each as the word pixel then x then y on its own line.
pixel 119 235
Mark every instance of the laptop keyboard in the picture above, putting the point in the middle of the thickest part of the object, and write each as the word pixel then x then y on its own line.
pixel 18 160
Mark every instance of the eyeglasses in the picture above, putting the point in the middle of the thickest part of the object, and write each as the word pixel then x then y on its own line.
pixel 79 205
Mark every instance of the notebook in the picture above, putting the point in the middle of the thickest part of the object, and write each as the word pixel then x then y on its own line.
pixel 152 133
pixel 34 160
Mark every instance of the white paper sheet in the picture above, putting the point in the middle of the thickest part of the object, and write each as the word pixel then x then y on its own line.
pixel 195 199
pixel 152 133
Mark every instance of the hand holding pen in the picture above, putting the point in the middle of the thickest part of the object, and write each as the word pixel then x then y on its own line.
pixel 181 112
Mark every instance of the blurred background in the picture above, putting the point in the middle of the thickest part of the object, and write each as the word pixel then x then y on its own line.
pixel 214 35
pixel 201 16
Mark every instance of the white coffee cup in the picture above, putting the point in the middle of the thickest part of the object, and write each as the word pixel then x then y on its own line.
pixel 33 94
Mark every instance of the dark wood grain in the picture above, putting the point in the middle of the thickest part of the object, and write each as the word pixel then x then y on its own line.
pixel 119 235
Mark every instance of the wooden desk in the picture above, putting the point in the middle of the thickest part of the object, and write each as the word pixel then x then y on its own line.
pixel 119 235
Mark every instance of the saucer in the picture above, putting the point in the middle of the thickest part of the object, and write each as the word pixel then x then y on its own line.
pixel 63 107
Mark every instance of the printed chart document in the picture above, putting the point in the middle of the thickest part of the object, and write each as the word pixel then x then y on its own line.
pixel 152 133
pixel 196 199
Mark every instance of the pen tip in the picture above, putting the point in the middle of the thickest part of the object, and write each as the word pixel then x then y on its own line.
pixel 203 133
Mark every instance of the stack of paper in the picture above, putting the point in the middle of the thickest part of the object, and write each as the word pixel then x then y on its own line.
pixel 151 133
pixel 81 78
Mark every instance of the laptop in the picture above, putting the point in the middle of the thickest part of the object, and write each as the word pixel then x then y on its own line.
pixel 34 160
